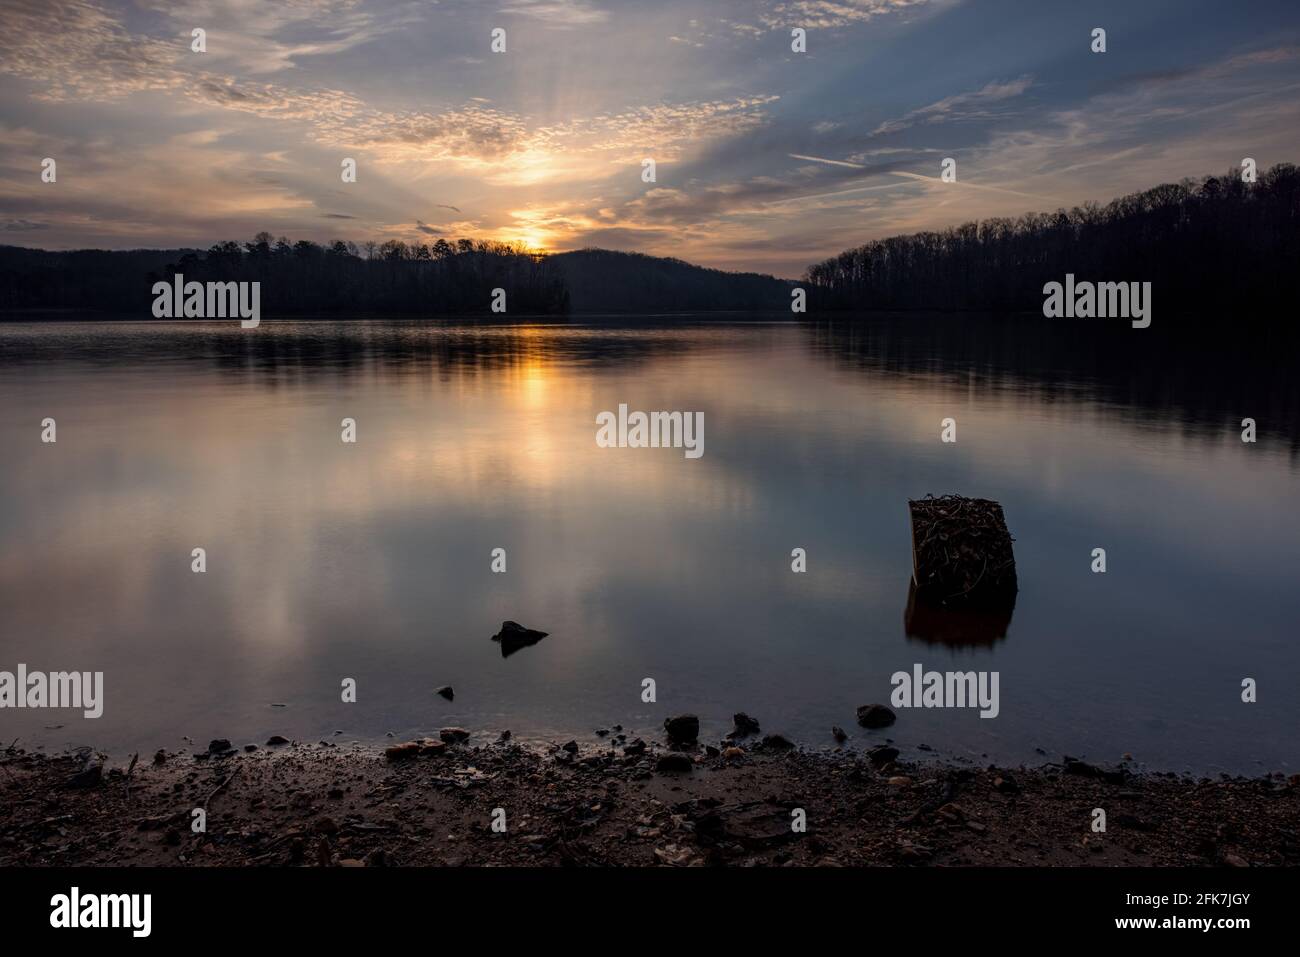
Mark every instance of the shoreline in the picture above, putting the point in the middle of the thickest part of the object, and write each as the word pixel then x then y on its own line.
pixel 434 802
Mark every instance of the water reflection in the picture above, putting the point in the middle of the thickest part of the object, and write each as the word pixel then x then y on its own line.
pixel 1206 380
pixel 955 628
pixel 373 561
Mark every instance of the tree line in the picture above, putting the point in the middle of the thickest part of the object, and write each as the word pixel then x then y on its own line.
pixel 297 277
pixel 1217 245
pixel 394 277
pixel 1214 245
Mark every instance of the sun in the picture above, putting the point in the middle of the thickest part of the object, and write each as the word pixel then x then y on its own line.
pixel 534 238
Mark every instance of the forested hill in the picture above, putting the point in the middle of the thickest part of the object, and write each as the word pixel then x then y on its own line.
pixel 85 279
pixel 1217 245
pixel 304 278
pixel 601 280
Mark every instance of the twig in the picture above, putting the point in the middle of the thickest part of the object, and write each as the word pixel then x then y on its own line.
pixel 219 788
pixel 134 758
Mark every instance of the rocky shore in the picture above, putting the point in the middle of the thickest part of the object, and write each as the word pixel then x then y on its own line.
pixel 447 801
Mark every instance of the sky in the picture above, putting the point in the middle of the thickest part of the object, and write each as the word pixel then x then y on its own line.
pixel 766 159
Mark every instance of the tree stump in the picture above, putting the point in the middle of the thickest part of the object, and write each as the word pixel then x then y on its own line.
pixel 961 553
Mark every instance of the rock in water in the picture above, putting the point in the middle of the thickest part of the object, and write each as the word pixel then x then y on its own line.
pixel 446 692
pixel 682 728
pixel 514 636
pixel 744 724
pixel 875 716
pixel 218 746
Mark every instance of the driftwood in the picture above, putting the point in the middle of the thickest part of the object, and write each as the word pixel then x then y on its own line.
pixel 961 553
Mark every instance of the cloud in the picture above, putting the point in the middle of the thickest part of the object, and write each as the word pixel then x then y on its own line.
pixel 255 36
pixel 509 150
pixel 21 226
pixel 80 52
pixel 468 133
pixel 756 19
pixel 1161 129
pixel 830 13
pixel 270 100
pixel 961 106
pixel 561 13
pixel 73 49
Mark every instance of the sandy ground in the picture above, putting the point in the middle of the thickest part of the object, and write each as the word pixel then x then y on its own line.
pixel 433 802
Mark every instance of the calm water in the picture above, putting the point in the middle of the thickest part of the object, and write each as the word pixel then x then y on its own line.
pixel 371 561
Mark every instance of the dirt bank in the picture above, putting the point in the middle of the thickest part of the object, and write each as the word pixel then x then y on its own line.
pixel 433 804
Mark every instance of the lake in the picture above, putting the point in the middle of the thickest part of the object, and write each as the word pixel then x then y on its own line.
pixel 372 560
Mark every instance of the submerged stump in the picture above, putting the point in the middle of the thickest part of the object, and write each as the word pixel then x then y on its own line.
pixel 961 553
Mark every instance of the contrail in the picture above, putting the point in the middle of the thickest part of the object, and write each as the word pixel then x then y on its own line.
pixel 818 159
pixel 970 185
pixel 837 192
pixel 929 179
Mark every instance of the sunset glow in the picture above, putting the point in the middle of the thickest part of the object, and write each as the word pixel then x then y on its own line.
pixel 765 159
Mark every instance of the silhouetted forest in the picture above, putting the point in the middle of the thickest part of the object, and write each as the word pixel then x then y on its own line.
pixel 83 279
pixel 297 278
pixel 393 278
pixel 1215 245
pixel 601 280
